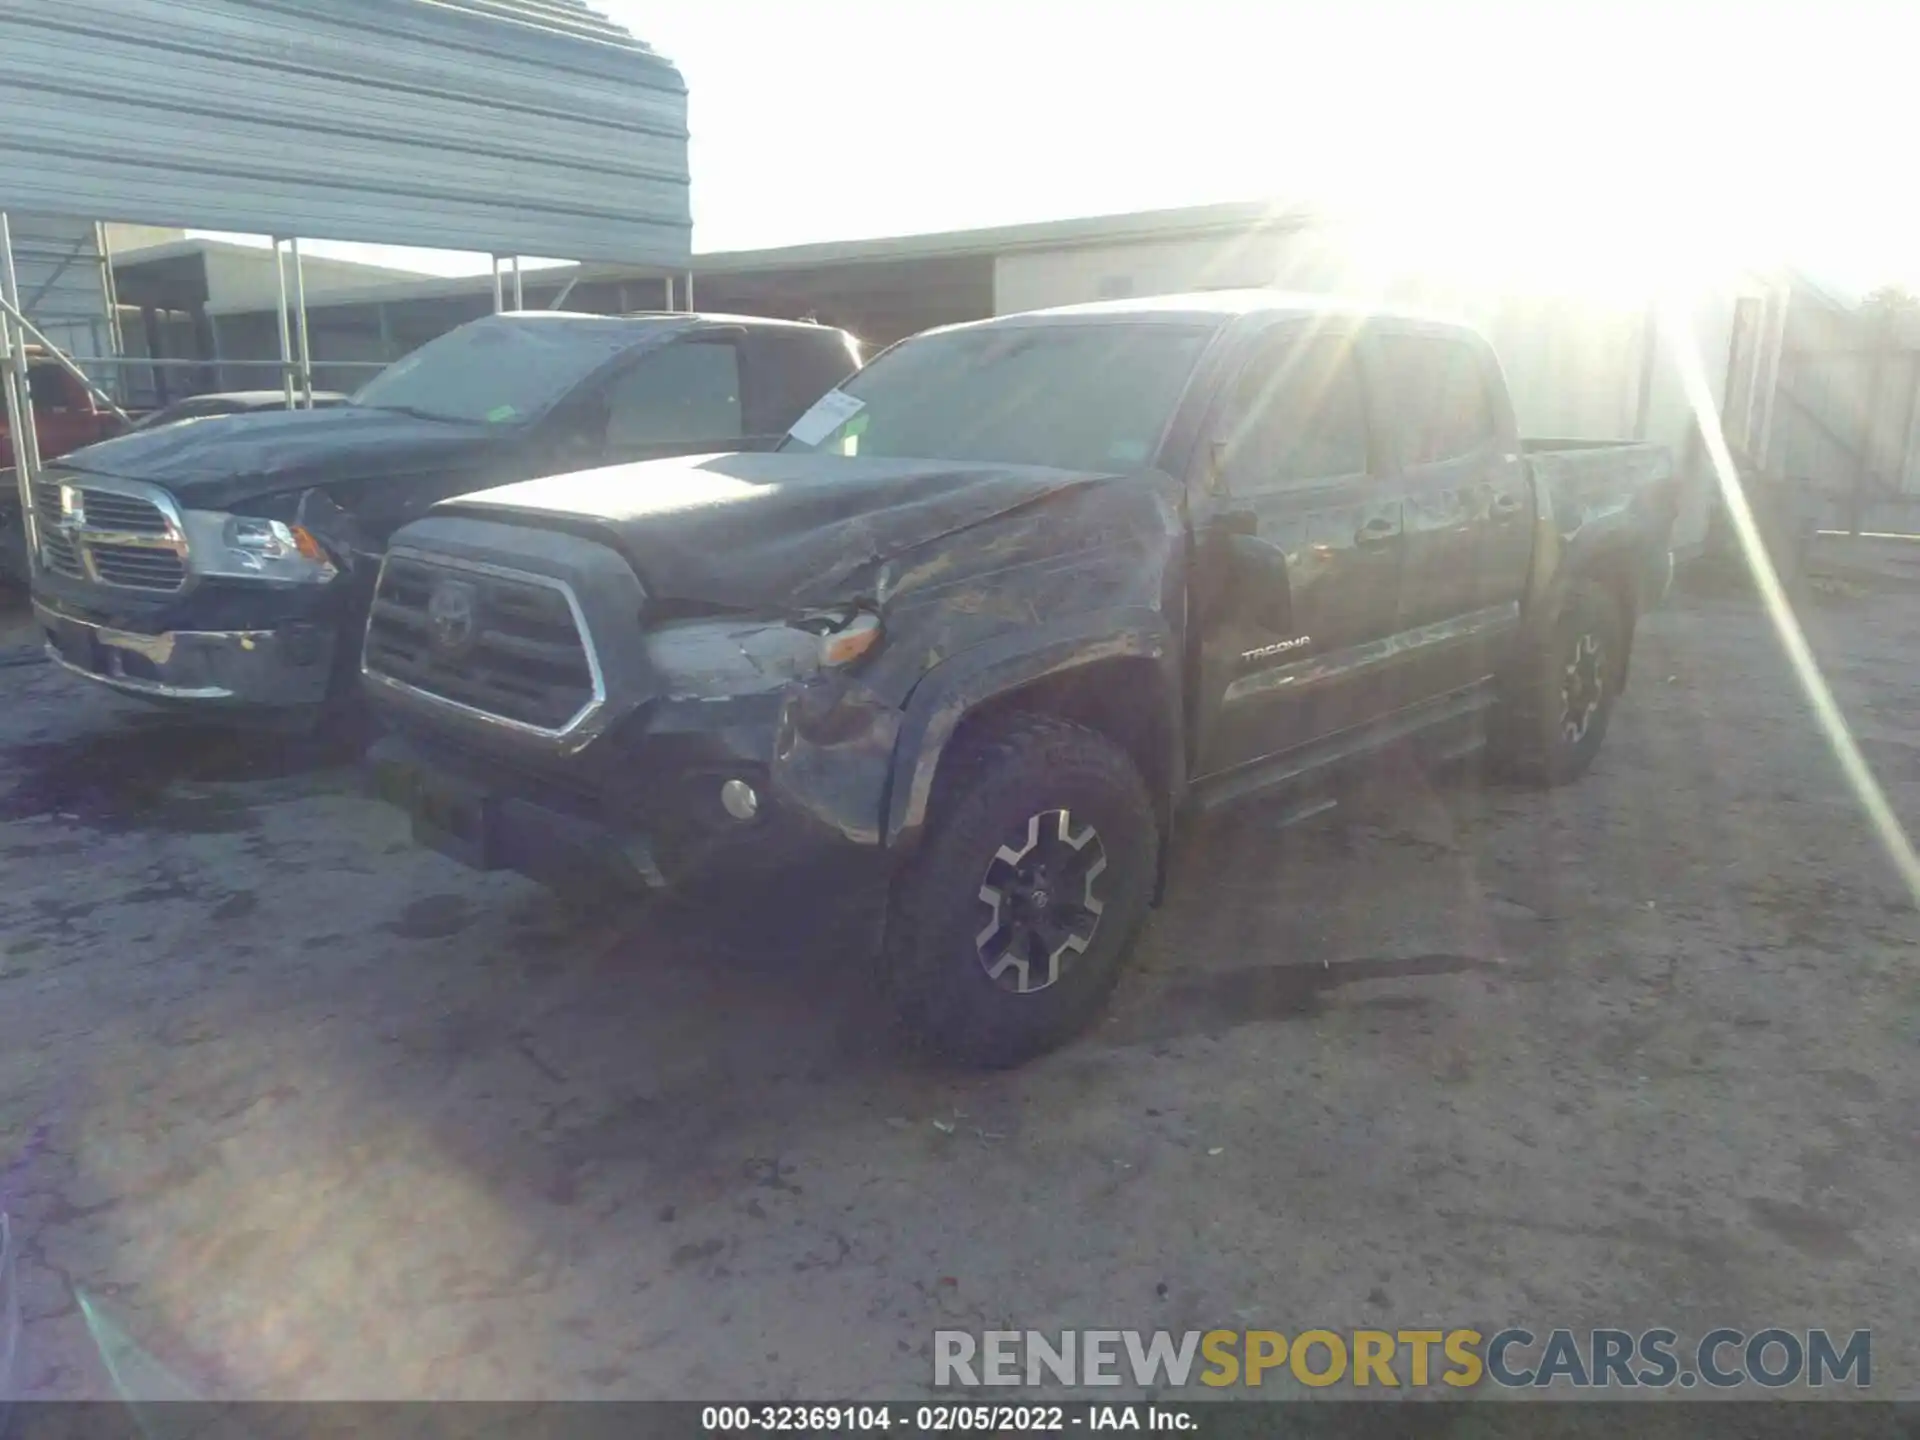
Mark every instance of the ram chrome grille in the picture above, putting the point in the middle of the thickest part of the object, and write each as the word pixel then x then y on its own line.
pixel 495 641
pixel 137 568
pixel 129 514
pixel 58 554
pixel 111 536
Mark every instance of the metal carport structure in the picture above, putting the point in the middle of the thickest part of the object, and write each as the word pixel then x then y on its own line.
pixel 510 127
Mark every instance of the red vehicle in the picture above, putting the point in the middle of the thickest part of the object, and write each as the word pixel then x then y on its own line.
pixel 65 415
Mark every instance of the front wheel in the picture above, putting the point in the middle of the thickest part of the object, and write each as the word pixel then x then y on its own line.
pixel 1009 927
pixel 1561 693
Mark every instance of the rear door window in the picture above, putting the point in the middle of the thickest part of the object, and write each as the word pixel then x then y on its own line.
pixel 685 394
pixel 1435 391
pixel 788 371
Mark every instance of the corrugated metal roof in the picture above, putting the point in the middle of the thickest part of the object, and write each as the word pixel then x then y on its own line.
pixel 566 17
pixel 535 127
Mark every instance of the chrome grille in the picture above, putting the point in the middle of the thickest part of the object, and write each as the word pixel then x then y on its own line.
pixel 112 536
pixel 137 567
pixel 518 655
pixel 58 554
pixel 106 510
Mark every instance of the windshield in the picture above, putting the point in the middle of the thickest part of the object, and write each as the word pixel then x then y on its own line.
pixel 501 370
pixel 1076 397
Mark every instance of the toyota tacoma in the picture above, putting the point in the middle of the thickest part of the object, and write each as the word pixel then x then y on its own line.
pixel 1002 613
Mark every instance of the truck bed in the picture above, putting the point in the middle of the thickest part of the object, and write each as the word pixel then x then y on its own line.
pixel 1588 480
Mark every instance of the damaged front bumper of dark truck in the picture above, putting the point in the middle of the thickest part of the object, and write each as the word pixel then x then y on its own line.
pixel 729 744
pixel 254 670
pixel 234 614
pixel 681 793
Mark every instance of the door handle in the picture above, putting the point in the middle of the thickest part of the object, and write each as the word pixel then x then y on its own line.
pixel 1375 533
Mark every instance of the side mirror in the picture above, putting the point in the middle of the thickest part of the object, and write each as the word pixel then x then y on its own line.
pixel 1260 587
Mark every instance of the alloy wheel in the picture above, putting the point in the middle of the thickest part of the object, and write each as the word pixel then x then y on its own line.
pixel 1041 891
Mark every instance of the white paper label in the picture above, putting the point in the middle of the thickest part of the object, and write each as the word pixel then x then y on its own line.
pixel 828 414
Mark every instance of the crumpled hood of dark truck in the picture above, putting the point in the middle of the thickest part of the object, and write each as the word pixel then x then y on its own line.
pixel 214 464
pixel 774 531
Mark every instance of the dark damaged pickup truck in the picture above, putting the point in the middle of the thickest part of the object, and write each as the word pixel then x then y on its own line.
pixel 226 564
pixel 1005 610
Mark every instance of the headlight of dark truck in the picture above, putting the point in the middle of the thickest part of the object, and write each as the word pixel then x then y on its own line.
pixel 705 659
pixel 246 548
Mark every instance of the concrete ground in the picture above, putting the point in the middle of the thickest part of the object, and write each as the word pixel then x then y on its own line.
pixel 289 1107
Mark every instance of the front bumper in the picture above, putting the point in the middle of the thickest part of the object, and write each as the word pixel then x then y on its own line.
pixel 493 816
pixel 284 668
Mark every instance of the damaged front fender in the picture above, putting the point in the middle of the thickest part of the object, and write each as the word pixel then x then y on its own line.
pixel 833 755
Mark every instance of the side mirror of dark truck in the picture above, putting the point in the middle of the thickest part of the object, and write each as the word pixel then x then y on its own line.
pixel 1258 585
pixel 1242 577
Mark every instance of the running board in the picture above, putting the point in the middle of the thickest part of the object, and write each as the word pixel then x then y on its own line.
pixel 1343 747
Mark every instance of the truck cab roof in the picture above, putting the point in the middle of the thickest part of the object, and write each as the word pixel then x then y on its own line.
pixel 648 324
pixel 1222 307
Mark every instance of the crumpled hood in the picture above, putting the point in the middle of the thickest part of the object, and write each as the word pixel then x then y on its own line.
pixel 759 531
pixel 218 461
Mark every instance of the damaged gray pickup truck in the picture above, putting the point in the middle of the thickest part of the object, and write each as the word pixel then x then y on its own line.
pixel 1004 611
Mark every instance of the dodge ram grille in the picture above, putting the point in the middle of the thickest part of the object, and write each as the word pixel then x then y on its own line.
pixel 506 644
pixel 110 536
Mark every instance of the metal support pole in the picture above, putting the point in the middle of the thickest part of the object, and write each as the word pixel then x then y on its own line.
pixel 1751 420
pixel 1775 343
pixel 110 289
pixel 519 295
pixel 19 419
pixel 669 284
pixel 689 292
pixel 286 330
pixel 499 300
pixel 26 450
pixel 1649 358
pixel 1866 437
pixel 1903 477
pixel 156 342
pixel 300 315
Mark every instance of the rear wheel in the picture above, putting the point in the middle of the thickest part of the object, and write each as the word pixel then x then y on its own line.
pixel 1554 715
pixel 1011 924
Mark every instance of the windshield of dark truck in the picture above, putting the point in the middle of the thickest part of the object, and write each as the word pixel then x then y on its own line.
pixel 503 370
pixel 1075 397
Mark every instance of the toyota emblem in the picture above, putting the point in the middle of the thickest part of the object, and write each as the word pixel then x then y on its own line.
pixel 450 618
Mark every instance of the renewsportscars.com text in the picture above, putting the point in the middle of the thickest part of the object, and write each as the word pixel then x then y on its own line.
pixel 1772 1358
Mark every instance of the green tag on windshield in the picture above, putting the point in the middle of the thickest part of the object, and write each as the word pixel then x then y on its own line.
pixel 500 414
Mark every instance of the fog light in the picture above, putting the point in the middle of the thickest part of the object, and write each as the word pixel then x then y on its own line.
pixel 739 800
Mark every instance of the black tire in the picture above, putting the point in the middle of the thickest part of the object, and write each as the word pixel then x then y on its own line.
pixel 1560 695
pixel 1075 800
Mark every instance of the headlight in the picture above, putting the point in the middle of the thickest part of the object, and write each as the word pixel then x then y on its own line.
pixel 706 658
pixel 241 546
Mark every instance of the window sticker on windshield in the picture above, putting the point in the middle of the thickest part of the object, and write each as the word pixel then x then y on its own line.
pixel 828 414
pixel 500 414
pixel 1127 452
